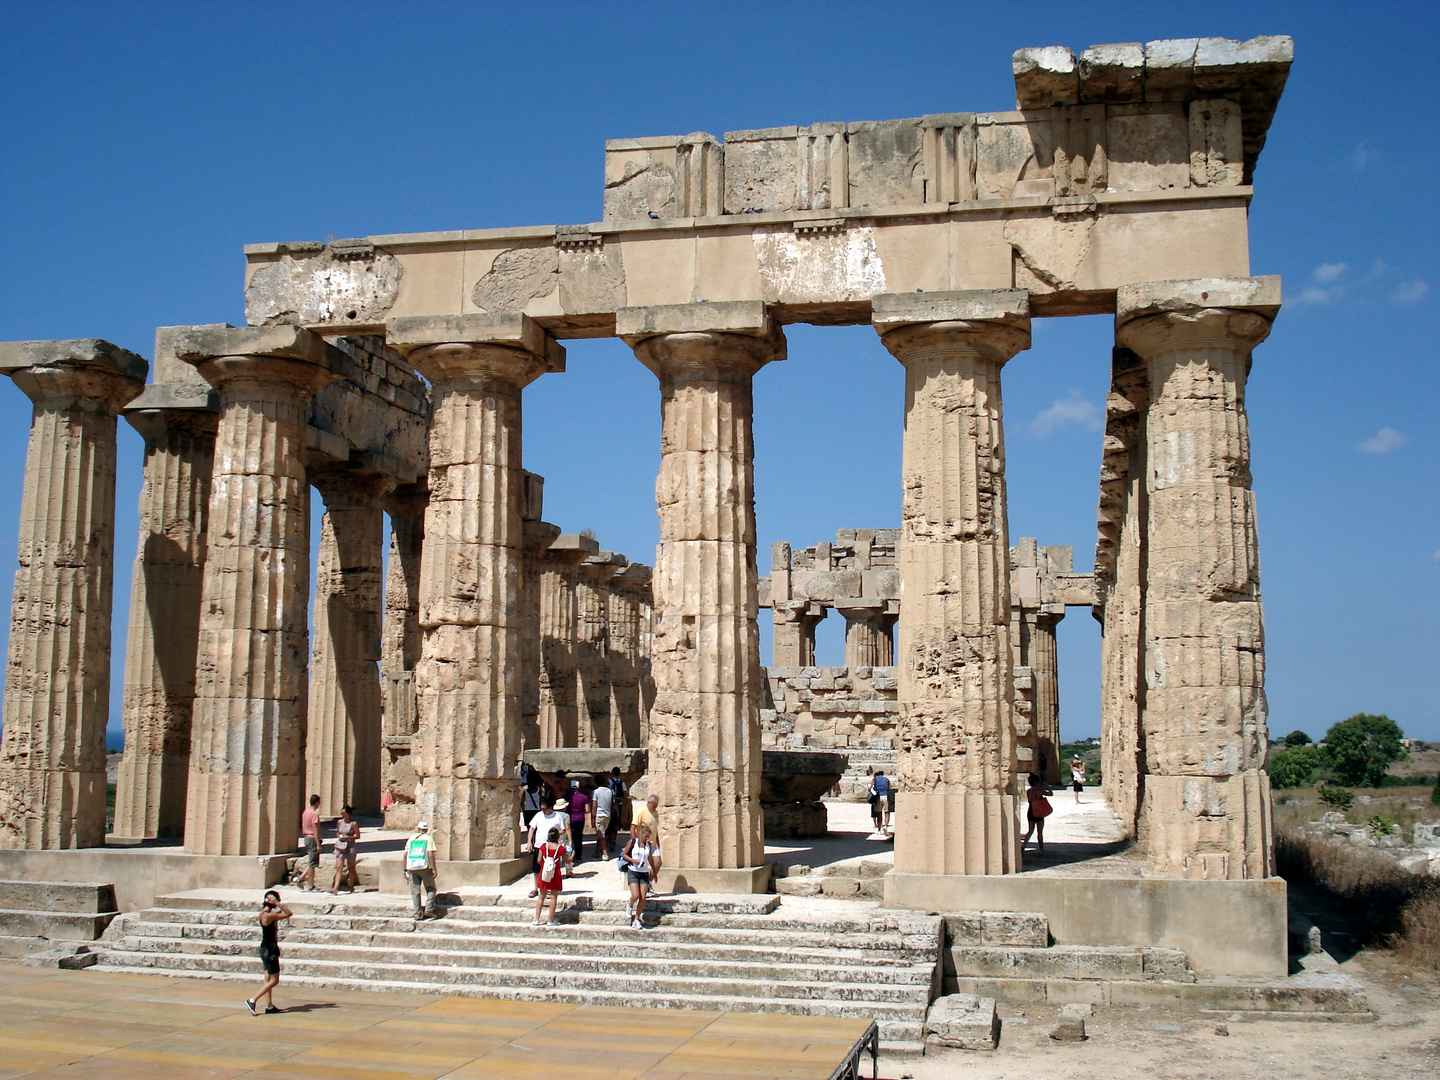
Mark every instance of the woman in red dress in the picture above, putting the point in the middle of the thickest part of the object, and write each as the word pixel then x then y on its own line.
pixel 549 877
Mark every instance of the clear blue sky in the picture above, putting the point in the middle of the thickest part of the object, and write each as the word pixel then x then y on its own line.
pixel 144 144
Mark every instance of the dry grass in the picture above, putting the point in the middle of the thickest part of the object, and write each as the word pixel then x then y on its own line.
pixel 1403 805
pixel 1391 908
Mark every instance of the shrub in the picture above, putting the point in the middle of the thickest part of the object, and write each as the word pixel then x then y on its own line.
pixel 1358 751
pixel 1294 767
pixel 1435 792
pixel 1338 797
pixel 1380 825
pixel 1297 738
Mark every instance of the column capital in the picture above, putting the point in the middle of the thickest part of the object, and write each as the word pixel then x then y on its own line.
pixel 275 357
pixel 507 347
pixel 729 337
pixel 344 488
pixel 1155 317
pixel 992 323
pixel 85 373
pixel 572 549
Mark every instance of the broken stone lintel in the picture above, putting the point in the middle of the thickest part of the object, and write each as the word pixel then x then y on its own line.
pixel 172 396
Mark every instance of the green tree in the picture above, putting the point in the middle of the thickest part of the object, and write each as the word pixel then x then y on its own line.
pixel 1294 767
pixel 1435 792
pixel 1358 751
pixel 1297 738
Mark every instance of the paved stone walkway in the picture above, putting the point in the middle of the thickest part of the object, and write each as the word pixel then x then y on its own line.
pixel 95 1025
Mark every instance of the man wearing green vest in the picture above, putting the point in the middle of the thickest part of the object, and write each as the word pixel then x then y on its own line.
pixel 420 870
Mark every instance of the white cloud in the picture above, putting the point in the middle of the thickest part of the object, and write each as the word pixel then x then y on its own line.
pixel 1410 292
pixel 1437 556
pixel 1313 295
pixel 1327 272
pixel 1325 285
pixel 1383 441
pixel 1070 410
pixel 1361 156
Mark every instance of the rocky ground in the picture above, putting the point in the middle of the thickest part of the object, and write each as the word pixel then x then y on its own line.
pixel 1170 1044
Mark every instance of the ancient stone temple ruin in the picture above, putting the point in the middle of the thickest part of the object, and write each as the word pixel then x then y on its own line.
pixel 855 707
pixel 387 373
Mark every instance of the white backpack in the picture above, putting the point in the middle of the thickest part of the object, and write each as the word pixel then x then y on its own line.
pixel 547 867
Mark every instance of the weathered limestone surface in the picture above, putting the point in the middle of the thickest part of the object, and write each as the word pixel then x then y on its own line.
pixel 57 685
pixel 592 632
pixel 956 808
pixel 704 727
pixel 539 535
pixel 248 728
pixel 629 641
pixel 558 719
pixel 1207 795
pixel 467 681
pixel 1120 574
pixel 342 746
pixel 400 632
pixel 164 620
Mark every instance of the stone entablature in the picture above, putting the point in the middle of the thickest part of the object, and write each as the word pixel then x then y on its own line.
pixel 830 708
pixel 1066 198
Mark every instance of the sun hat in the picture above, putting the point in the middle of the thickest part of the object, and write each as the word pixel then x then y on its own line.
pixel 562 804
pixel 423 826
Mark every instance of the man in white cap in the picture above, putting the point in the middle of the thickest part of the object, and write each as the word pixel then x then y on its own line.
pixel 420 870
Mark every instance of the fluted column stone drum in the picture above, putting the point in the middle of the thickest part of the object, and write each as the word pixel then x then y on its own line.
pixel 467 747
pixel 57 684
pixel 704 728
pixel 1206 810
pixel 164 633
pixel 248 729
pixel 956 804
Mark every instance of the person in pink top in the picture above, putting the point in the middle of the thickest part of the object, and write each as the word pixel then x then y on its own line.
pixel 310 834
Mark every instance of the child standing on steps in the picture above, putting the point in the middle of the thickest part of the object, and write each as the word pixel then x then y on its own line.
pixel 549 876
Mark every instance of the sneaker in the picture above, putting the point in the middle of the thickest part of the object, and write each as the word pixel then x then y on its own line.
pixel 250 1004
pixel 534 893
pixel 636 924
pixel 536 922
pixel 271 1010
pixel 630 909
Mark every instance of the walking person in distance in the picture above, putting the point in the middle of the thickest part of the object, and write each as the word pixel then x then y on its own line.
pixel 310 834
pixel 347 842
pixel 641 859
pixel 420 871
pixel 271 912
pixel 1039 808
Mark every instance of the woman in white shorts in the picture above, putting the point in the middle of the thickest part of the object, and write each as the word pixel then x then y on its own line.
pixel 639 859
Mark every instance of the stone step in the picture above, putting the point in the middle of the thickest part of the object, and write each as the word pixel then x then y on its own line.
pixel 617 941
pixel 66 897
pixel 1308 993
pixel 549 986
pixel 18 946
pixel 582 930
pixel 379 904
pixel 62 925
pixel 1029 929
pixel 1068 962
pixel 554 968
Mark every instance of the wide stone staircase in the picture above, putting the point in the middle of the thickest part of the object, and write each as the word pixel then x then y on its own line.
pixel 735 953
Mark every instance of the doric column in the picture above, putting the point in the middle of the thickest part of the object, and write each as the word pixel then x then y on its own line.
pixel 592 634
pixel 956 807
pixel 342 741
pixel 538 536
pixel 1206 794
pixel 1120 584
pixel 705 726
pixel 629 591
pixel 559 718
pixel 400 628
pixel 468 744
pixel 248 728
pixel 57 684
pixel 164 619
pixel 867 632
pixel 1044 665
